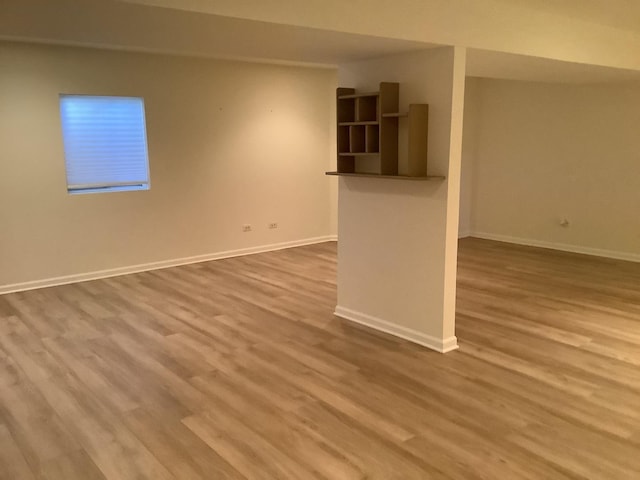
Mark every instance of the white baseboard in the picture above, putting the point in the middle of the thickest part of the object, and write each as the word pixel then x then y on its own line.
pixel 145 267
pixel 442 345
pixel 464 233
pixel 565 247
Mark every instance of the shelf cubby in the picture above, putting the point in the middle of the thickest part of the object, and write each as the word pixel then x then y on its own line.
pixel 367 108
pixel 357 138
pixel 345 105
pixel 346 164
pixel 372 139
pixel 343 139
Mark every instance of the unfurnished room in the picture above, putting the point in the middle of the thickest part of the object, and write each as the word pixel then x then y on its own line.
pixel 319 240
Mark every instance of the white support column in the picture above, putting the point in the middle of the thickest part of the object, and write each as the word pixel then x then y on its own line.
pixel 453 192
pixel 398 239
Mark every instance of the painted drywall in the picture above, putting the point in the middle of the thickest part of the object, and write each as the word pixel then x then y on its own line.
pixel 546 152
pixel 499 25
pixel 469 136
pixel 230 143
pixel 398 239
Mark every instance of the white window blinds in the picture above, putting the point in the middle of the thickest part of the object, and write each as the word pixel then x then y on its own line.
pixel 105 143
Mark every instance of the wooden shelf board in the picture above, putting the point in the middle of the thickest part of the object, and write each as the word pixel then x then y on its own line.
pixel 395 115
pixel 357 154
pixel 346 124
pixel 359 95
pixel 394 177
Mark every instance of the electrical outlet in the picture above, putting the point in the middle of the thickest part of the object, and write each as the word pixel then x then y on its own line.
pixel 246 228
pixel 273 225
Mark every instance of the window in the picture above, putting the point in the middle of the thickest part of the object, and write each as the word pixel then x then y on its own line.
pixel 105 143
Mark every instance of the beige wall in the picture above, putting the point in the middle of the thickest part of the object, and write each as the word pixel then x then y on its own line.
pixel 545 152
pixel 398 239
pixel 229 143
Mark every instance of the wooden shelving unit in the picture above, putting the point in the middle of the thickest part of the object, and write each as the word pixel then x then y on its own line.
pixel 364 132
pixel 367 130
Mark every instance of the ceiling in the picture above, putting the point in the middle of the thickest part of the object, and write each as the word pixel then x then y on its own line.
pixel 489 64
pixel 138 27
pixel 621 14
pixel 121 25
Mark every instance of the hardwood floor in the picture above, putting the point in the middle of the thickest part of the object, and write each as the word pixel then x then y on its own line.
pixel 237 369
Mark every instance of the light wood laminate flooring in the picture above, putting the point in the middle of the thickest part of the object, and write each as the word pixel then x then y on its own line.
pixel 237 369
